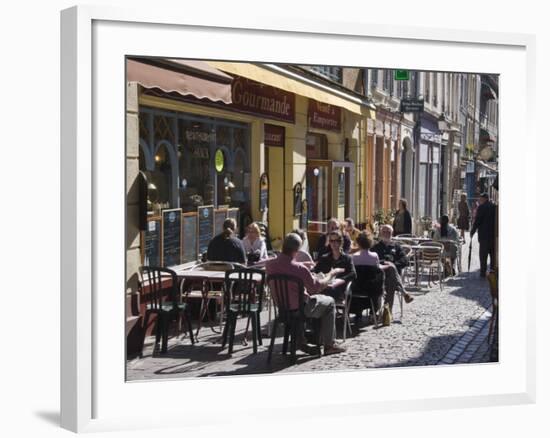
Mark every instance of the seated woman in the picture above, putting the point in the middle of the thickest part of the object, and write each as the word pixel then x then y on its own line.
pixel 336 258
pixel 370 278
pixel 447 232
pixel 254 244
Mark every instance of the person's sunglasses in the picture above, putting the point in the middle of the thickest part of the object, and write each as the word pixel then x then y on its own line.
pixel 335 240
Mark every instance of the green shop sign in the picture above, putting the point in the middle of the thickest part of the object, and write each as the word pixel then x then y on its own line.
pixel 219 160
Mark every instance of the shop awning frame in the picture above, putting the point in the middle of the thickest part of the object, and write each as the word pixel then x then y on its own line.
pixel 187 78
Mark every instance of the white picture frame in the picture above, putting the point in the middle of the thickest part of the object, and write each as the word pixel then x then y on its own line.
pixel 93 395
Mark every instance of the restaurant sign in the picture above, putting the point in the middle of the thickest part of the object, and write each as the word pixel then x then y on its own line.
pixel 324 116
pixel 253 97
pixel 274 135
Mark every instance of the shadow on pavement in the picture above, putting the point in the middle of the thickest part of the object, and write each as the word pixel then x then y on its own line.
pixel 435 350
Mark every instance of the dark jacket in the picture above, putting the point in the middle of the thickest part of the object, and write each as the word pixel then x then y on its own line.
pixel 407 223
pixel 226 249
pixel 391 252
pixel 322 248
pixel 484 222
pixel 326 263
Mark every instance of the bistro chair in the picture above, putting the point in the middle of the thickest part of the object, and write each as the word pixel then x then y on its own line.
pixel 365 289
pixel 342 309
pixel 208 290
pixel 160 293
pixel 282 287
pixel 244 294
pixel 430 257
pixel 451 247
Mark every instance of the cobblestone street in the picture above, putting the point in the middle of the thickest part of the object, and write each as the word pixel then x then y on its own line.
pixel 438 327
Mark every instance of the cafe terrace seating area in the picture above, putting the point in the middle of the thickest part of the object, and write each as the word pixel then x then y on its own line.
pixel 200 309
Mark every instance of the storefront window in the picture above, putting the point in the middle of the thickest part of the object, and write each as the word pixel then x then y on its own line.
pixel 184 164
pixel 316 147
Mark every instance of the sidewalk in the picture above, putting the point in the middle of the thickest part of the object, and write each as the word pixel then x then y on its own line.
pixel 437 328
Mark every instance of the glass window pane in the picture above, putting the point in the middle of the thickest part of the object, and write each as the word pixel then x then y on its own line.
pixel 423 153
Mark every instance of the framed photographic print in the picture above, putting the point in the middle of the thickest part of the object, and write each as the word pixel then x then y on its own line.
pixel 407 166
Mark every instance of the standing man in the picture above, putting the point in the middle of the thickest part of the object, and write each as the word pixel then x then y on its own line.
pixel 484 224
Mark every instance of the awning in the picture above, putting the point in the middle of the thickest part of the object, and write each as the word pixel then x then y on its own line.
pixel 199 79
pixel 296 86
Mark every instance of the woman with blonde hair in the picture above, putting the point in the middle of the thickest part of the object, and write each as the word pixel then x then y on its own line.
pixel 254 244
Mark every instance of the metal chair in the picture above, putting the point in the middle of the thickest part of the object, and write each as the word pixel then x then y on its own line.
pixel 431 258
pixel 160 293
pixel 208 290
pixel 244 294
pixel 290 313
pixel 368 286
pixel 344 306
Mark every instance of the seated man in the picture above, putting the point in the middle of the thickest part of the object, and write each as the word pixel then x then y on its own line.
pixel 392 260
pixel 316 304
pixel 226 247
pixel 323 246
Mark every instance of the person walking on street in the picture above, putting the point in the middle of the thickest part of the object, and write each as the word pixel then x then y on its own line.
pixel 402 224
pixel 484 224
pixel 463 222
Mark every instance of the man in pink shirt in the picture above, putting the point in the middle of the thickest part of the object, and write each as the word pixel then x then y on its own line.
pixel 316 304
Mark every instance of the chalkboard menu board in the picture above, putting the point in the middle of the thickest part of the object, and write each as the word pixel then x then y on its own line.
pixel 234 213
pixel 219 218
pixel 189 237
pixel 206 227
pixel 171 237
pixel 152 242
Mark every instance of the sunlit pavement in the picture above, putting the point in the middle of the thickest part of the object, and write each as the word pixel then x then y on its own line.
pixel 438 327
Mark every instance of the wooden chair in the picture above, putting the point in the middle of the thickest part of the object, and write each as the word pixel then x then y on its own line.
pixel 160 293
pixel 282 287
pixel 244 294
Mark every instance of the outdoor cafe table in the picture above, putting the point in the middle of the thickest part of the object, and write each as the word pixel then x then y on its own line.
pixel 186 272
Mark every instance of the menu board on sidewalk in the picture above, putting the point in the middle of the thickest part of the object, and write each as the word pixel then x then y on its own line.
pixel 206 227
pixel 219 218
pixel 189 237
pixel 171 237
pixel 152 242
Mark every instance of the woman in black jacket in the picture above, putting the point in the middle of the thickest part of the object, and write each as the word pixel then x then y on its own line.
pixel 336 258
pixel 402 223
